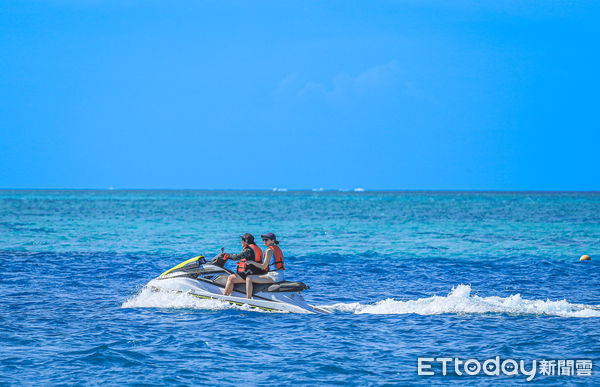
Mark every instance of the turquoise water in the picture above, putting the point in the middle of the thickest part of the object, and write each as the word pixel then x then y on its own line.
pixel 405 275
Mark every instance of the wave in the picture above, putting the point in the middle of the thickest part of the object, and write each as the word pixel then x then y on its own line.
pixel 148 298
pixel 460 301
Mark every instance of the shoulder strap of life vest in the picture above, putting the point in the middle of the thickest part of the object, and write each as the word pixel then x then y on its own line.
pixel 258 254
pixel 278 254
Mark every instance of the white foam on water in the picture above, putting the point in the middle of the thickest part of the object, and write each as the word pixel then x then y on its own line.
pixel 149 298
pixel 460 301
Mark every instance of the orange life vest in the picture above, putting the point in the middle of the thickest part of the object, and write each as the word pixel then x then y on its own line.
pixel 258 256
pixel 278 254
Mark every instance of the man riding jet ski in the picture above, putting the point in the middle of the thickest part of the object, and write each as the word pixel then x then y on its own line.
pixel 205 279
pixel 250 253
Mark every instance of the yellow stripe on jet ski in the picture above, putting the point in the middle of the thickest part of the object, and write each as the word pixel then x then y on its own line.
pixel 182 264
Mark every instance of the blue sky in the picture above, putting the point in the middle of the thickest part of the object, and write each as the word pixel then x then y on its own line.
pixel 299 94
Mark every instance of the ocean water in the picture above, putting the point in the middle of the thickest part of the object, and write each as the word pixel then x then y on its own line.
pixel 405 275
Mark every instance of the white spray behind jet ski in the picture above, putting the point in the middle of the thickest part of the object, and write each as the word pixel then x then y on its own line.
pixel 207 280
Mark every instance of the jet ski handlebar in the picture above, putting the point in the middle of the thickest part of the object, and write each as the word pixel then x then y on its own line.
pixel 218 260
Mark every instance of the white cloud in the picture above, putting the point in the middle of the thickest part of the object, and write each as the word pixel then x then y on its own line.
pixel 375 78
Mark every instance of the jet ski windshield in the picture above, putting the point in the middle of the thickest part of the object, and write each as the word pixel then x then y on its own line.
pixel 192 268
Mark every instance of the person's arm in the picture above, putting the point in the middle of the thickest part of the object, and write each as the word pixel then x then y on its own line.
pixel 265 263
pixel 246 253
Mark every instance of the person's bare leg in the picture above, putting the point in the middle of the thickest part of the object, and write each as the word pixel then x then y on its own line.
pixel 259 279
pixel 249 286
pixel 229 285
pixel 231 281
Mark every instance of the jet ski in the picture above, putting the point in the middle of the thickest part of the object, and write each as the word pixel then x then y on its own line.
pixel 203 279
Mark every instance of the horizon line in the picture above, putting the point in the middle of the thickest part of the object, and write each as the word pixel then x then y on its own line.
pixel 316 190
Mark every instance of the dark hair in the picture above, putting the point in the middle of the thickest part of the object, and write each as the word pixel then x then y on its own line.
pixel 248 238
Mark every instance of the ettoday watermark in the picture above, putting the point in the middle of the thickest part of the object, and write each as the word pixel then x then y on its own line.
pixel 509 367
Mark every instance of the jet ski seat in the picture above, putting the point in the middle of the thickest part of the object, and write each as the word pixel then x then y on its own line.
pixel 287 286
pixel 283 286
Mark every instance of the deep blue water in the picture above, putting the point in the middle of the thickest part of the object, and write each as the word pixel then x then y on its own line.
pixel 406 275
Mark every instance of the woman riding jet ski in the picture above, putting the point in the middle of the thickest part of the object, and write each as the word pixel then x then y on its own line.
pixel 203 279
pixel 272 265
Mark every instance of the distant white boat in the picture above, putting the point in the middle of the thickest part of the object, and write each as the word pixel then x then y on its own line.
pixel 359 190
pixel 279 189
pixel 318 189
